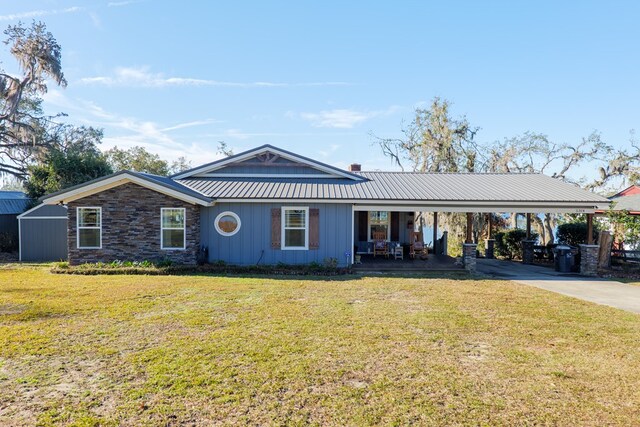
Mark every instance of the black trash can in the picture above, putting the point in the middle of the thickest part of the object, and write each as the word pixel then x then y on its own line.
pixel 563 258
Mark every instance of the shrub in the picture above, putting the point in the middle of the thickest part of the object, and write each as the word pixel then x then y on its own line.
pixel 575 233
pixel 331 262
pixel 509 243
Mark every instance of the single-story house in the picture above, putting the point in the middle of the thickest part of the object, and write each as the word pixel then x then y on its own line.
pixel 626 200
pixel 43 233
pixel 268 205
pixel 12 203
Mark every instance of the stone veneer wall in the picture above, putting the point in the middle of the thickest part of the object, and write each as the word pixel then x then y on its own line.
pixel 131 226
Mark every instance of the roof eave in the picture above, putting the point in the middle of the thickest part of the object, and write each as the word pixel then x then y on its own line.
pixel 115 180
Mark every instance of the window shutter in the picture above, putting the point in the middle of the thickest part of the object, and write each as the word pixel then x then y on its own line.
pixel 276 228
pixel 314 228
pixel 395 226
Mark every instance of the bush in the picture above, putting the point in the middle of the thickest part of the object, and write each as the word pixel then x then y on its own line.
pixel 129 267
pixel 509 243
pixel 575 233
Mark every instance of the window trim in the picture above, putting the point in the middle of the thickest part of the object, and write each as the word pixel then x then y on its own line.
pixel 183 228
pixel 78 228
pixel 284 228
pixel 369 238
pixel 221 231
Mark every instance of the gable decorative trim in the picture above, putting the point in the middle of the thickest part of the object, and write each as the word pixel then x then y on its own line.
pixel 268 155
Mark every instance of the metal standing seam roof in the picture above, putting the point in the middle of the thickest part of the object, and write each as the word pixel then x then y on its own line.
pixel 13 202
pixel 627 203
pixel 400 186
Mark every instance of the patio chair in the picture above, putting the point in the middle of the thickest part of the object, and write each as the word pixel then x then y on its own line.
pixel 417 247
pixel 380 244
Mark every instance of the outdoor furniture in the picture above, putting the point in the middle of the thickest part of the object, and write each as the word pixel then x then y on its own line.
pixel 398 252
pixel 380 244
pixel 417 245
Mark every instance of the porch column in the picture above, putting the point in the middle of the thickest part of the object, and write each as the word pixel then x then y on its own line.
pixel 589 229
pixel 527 251
pixel 469 256
pixel 435 233
pixel 469 248
pixel 489 242
pixel 589 260
pixel 527 244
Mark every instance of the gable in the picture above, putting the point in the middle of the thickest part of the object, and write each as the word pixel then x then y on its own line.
pixel 266 162
pixel 156 183
pixel 633 190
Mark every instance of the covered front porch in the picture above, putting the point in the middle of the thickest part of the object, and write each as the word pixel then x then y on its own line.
pixel 418 264
pixel 384 235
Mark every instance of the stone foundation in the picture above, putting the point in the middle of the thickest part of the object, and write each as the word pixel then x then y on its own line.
pixel 589 260
pixel 489 245
pixel 469 256
pixel 527 251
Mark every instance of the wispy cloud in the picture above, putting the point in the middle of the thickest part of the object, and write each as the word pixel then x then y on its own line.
pixel 344 118
pixel 123 3
pixel 39 13
pixel 191 124
pixel 126 132
pixel 142 77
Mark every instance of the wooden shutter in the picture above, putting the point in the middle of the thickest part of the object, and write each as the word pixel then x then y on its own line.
pixel 395 226
pixel 276 228
pixel 314 228
pixel 363 225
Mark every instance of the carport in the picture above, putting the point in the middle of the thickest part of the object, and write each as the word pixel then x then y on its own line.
pixel 528 194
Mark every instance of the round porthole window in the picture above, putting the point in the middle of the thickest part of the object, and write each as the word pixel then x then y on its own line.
pixel 227 223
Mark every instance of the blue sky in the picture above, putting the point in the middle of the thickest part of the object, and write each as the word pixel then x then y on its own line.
pixel 319 78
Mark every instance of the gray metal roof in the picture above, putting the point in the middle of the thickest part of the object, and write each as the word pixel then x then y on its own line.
pixel 46 211
pixel 13 202
pixel 627 203
pixel 160 180
pixel 400 186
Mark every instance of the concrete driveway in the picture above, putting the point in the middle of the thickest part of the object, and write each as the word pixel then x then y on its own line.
pixel 606 292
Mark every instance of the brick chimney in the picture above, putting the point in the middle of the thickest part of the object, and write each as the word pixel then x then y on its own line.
pixel 355 167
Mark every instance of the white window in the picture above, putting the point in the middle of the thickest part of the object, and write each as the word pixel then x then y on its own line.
pixel 89 226
pixel 295 228
pixel 378 223
pixel 172 234
pixel 227 223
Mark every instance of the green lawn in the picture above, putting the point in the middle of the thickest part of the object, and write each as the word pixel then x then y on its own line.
pixel 196 350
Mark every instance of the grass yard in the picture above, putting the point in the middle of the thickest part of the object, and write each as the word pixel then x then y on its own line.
pixel 198 350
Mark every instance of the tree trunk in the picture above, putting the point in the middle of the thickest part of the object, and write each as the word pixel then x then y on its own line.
pixel 604 253
pixel 549 225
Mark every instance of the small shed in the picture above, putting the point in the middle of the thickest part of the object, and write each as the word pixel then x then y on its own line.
pixel 43 234
pixel 12 203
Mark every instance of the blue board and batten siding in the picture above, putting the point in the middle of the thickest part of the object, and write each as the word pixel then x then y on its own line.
pixel 252 244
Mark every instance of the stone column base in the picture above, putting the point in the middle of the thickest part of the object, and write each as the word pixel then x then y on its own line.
pixel 469 256
pixel 589 260
pixel 527 251
pixel 489 246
